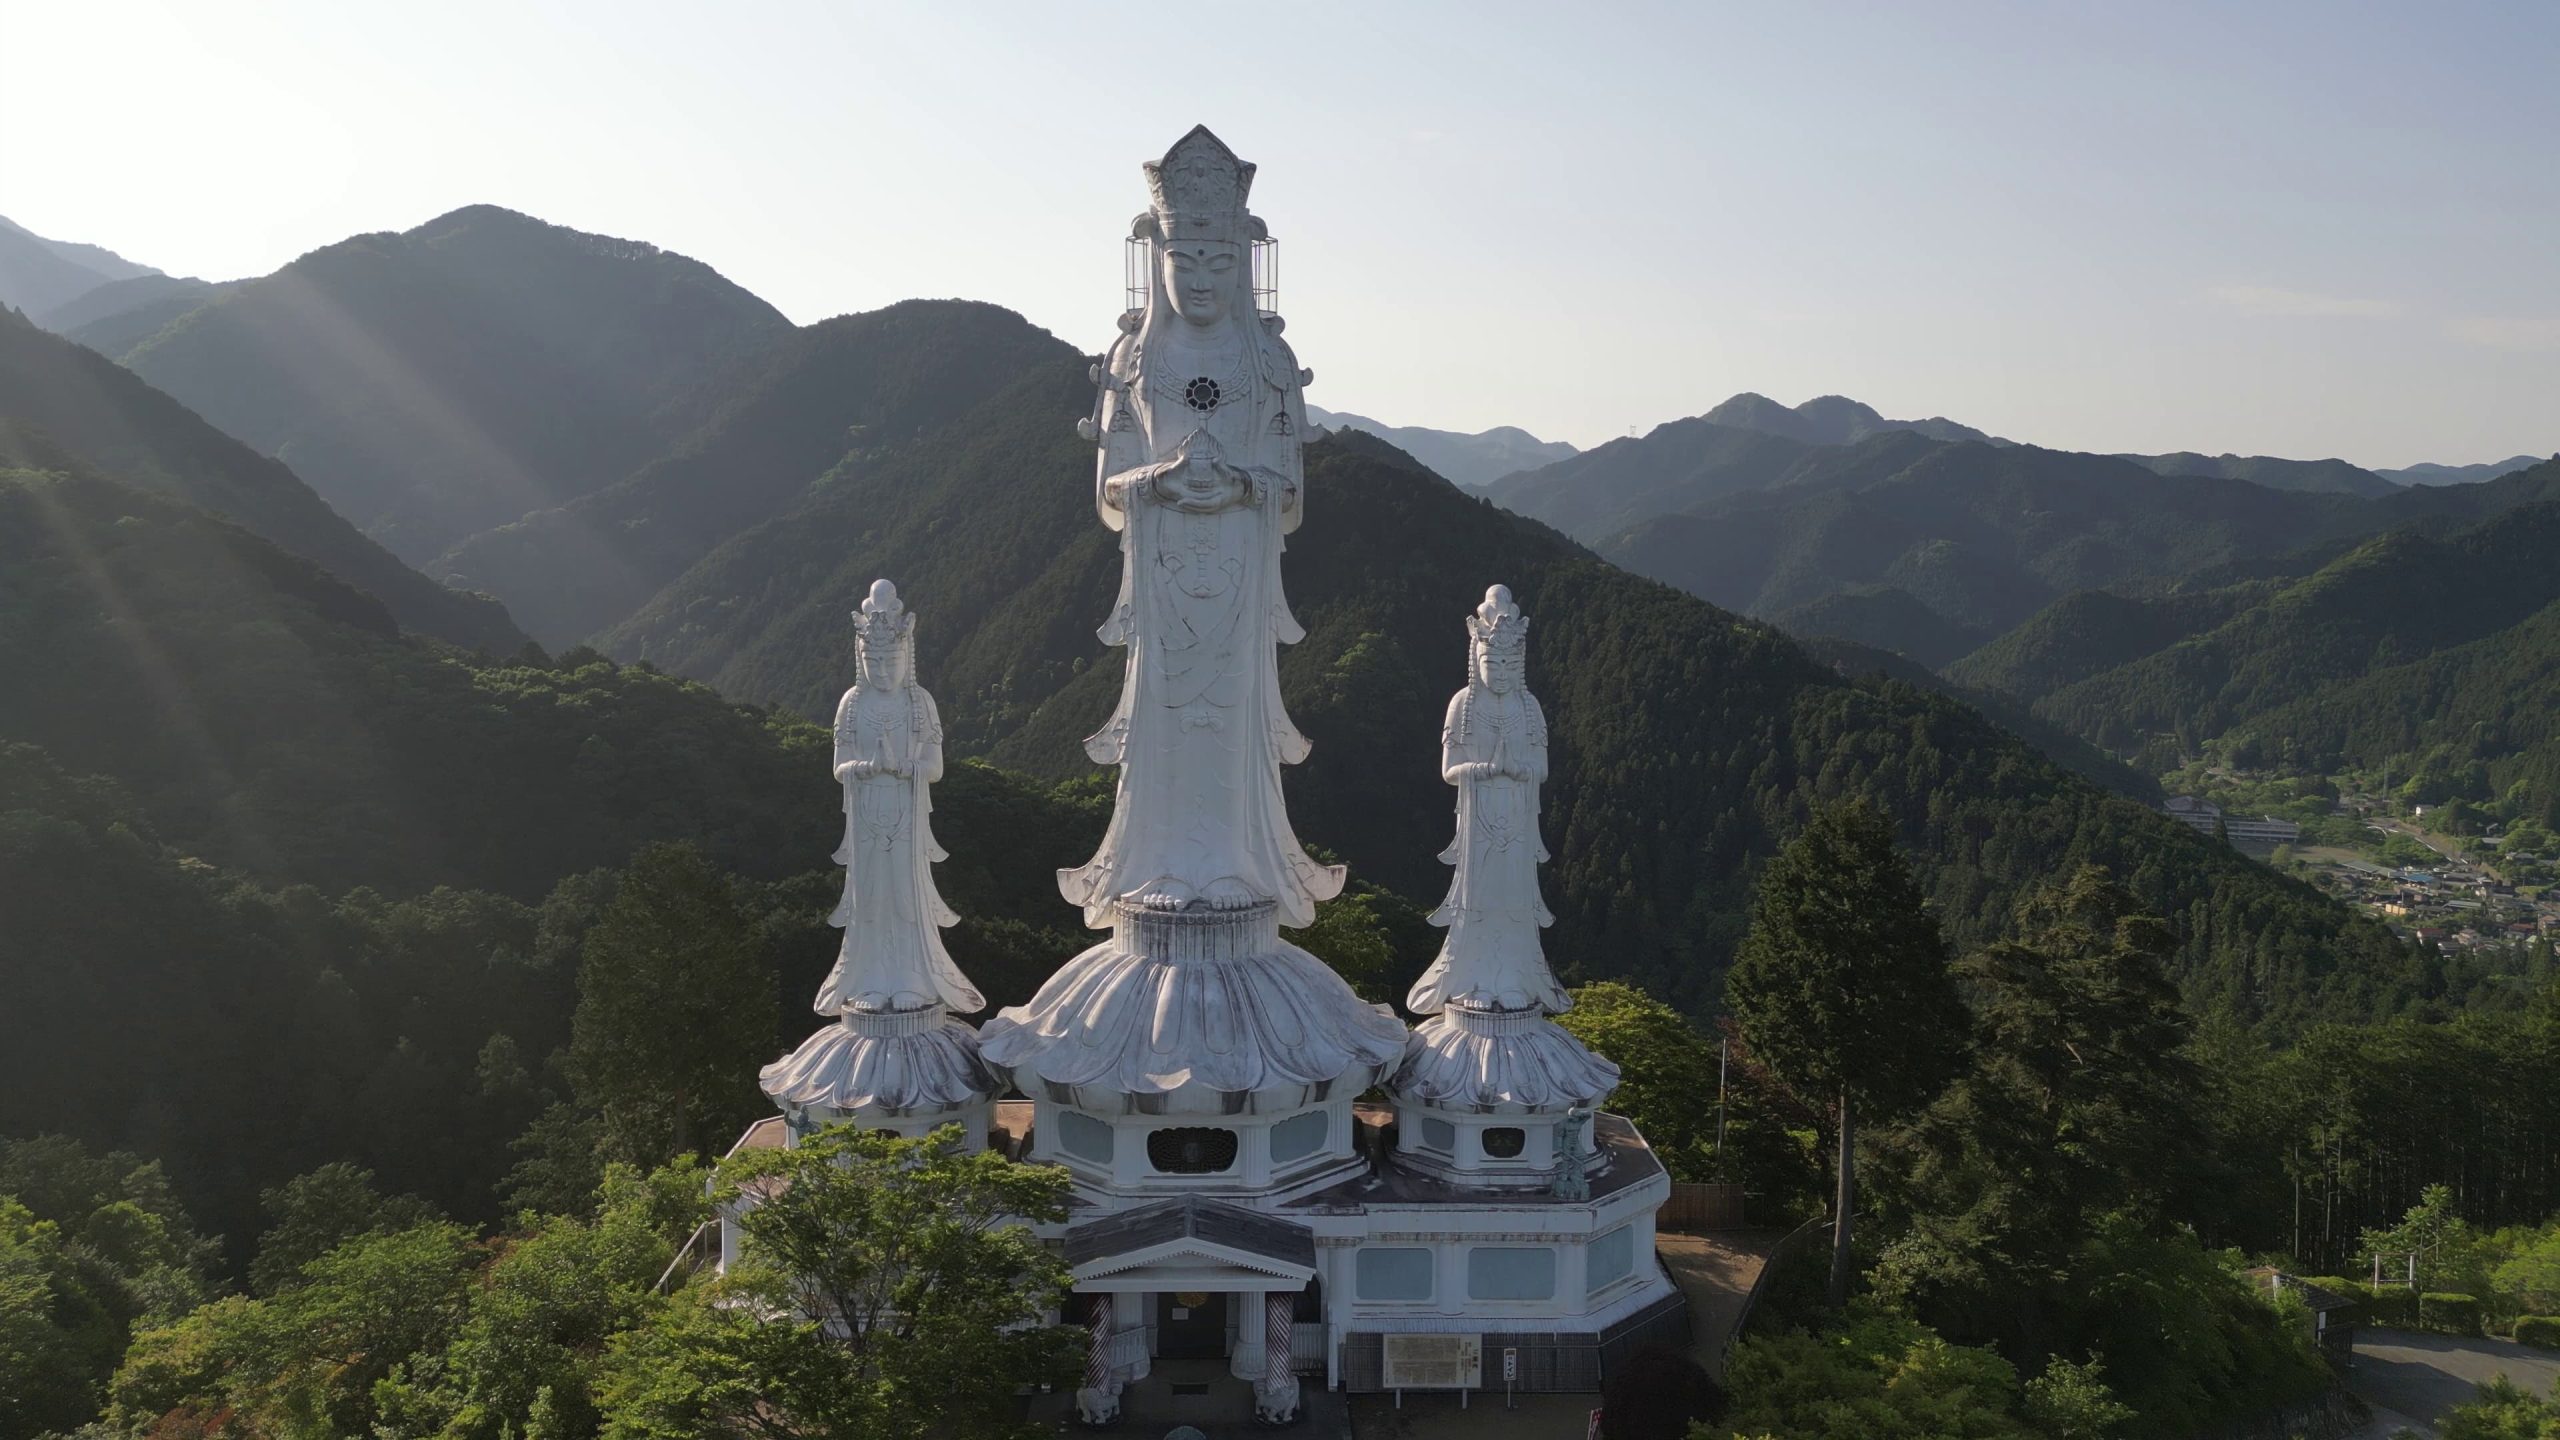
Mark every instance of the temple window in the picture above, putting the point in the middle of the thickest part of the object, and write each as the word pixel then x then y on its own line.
pixel 1083 1137
pixel 1505 1142
pixel 1511 1272
pixel 1611 1257
pixel 1191 1150
pixel 1299 1136
pixel 1383 1273
pixel 1439 1135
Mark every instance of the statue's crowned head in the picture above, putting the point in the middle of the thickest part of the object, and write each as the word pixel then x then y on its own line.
pixel 884 637
pixel 1199 232
pixel 1500 653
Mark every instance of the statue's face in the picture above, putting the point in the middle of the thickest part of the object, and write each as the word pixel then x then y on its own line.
pixel 1502 673
pixel 1198 276
pixel 879 668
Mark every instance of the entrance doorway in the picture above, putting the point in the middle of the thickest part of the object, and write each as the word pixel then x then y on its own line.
pixel 1191 1325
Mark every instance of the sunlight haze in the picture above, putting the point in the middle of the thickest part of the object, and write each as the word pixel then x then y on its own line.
pixel 2301 230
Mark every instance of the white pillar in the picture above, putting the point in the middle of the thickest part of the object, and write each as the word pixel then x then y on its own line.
pixel 1245 1361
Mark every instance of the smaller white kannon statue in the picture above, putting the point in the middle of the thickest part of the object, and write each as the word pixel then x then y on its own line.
pixel 888 753
pixel 1493 747
pixel 897 1055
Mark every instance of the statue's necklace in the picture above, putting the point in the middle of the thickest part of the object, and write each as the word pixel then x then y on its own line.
pixel 1204 379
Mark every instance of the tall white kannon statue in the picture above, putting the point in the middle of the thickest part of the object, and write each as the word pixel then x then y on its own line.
pixel 897 1053
pixel 1489 1066
pixel 1196 1003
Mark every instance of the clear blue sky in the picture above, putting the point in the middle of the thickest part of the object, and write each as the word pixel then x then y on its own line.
pixel 2293 229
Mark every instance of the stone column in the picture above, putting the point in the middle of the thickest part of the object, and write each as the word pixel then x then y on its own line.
pixel 1098 1402
pixel 1275 1396
pixel 1244 1361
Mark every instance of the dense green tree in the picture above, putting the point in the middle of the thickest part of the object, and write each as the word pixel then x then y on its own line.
pixel 676 1007
pixel 316 1212
pixel 1842 988
pixel 891 1291
pixel 1879 1376
pixel 2504 1410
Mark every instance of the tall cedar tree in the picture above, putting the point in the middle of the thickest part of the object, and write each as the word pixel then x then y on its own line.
pixel 1842 987
pixel 676 1005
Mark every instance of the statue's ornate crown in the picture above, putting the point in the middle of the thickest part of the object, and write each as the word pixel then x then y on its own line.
pixel 1498 625
pixel 1197 191
pixel 883 618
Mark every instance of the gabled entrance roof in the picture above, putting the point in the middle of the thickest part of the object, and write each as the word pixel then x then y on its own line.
pixel 1192 1240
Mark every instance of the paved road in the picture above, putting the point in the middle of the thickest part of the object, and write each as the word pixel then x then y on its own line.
pixel 2417 1378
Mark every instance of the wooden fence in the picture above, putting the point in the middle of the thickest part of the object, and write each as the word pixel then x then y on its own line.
pixel 1694 1208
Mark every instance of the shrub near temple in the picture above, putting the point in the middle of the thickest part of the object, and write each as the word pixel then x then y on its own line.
pixel 2449 1314
pixel 2539 1331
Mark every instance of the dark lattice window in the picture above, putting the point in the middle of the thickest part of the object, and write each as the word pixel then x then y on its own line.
pixel 1191 1150
pixel 1505 1142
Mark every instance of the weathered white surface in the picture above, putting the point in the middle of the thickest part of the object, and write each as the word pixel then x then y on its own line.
pixel 890 1063
pixel 1197 426
pixel 896 1049
pixel 888 753
pixel 1493 747
pixel 1195 1000
pixel 1465 1058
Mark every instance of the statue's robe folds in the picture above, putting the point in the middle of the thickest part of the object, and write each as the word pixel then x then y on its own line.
pixel 893 956
pixel 1492 958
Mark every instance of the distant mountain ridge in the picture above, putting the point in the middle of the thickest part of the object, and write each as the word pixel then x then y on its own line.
pixel 442 380
pixel 37 274
pixel 2318 476
pixel 2460 474
pixel 1832 420
pixel 57 394
pixel 1471 460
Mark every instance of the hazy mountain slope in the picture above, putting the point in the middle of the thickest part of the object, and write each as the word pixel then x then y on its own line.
pixel 37 274
pixel 1472 460
pixel 1673 466
pixel 1832 420
pixel 2326 476
pixel 1686 742
pixel 121 314
pixel 846 387
pixel 1890 620
pixel 2460 474
pixel 437 382
pixel 2396 598
pixel 108 417
pixel 2090 631
pixel 1984 536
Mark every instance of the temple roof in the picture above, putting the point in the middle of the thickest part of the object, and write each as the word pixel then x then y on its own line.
pixel 1192 1222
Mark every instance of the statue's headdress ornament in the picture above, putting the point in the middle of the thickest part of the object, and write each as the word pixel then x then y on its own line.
pixel 883 625
pixel 1498 627
pixel 1197 192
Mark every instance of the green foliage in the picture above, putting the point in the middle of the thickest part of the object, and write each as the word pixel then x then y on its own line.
pixel 2449 1314
pixel 2091 631
pixel 1880 1377
pixel 889 1289
pixel 2503 1411
pixel 676 1008
pixel 2540 1331
pixel 2071 1401
pixel 315 1212
pixel 2531 1273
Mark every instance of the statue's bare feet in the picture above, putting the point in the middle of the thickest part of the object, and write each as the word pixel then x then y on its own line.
pixel 1230 893
pixel 1162 893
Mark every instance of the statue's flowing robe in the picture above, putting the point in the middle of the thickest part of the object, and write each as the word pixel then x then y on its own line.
pixel 1491 958
pixel 1201 615
pixel 892 957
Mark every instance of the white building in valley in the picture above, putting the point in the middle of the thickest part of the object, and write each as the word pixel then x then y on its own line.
pixel 1239 1207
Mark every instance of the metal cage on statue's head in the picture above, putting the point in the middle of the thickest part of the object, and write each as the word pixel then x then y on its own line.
pixel 1136 254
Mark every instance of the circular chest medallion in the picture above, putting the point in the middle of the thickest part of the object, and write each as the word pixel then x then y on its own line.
pixel 1201 394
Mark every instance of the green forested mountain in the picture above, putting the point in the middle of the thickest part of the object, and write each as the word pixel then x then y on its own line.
pixel 2398 597
pixel 56 393
pixel 2090 631
pixel 121 314
pixel 2432 474
pixel 436 382
pixel 1671 466
pixel 833 392
pixel 1887 619
pixel 2329 476
pixel 1984 536
pixel 1472 460
pixel 1687 741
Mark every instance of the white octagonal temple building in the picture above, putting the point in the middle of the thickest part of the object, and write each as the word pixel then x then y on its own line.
pixel 1277 1183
